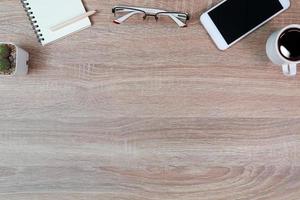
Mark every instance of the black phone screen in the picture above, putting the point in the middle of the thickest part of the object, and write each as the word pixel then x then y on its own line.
pixel 235 18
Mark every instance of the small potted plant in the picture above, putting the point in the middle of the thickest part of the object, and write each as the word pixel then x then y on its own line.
pixel 13 60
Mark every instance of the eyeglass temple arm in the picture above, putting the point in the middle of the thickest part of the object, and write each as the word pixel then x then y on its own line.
pixel 125 17
pixel 176 20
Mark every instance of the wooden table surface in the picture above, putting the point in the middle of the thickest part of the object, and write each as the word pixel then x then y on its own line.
pixel 147 110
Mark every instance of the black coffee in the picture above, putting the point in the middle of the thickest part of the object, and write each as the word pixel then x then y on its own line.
pixel 289 44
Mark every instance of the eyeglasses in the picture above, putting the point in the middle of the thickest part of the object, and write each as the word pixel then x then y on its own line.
pixel 125 12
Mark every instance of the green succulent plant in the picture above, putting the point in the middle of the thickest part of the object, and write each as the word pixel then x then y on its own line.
pixel 4 51
pixel 4 64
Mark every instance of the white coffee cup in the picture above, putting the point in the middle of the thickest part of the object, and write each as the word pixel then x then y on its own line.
pixel 289 67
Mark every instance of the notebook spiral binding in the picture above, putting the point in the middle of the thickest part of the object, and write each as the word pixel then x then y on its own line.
pixel 33 21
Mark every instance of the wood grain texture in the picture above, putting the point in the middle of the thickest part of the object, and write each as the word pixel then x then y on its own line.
pixel 146 110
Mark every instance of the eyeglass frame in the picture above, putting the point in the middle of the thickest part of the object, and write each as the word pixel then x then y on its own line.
pixel 150 12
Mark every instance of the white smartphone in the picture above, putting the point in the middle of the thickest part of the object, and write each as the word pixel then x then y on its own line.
pixel 231 20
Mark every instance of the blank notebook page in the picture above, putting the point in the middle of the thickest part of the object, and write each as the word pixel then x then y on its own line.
pixel 49 13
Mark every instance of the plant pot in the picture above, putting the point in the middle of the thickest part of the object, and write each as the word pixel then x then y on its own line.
pixel 21 61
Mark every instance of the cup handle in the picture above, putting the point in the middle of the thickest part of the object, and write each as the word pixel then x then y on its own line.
pixel 289 69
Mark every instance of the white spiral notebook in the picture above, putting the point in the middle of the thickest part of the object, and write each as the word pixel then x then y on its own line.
pixel 45 14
